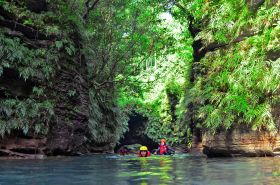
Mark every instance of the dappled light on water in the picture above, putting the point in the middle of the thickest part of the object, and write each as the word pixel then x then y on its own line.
pixel 162 170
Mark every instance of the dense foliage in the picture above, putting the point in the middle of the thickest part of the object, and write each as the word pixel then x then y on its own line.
pixel 238 82
pixel 212 64
pixel 157 88
pixel 233 81
pixel 30 114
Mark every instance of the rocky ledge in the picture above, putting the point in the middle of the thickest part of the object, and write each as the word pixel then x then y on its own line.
pixel 20 148
pixel 241 142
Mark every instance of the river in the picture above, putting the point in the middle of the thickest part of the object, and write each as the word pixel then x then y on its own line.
pixel 107 169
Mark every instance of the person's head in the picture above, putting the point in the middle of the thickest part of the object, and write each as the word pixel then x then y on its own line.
pixel 143 151
pixel 162 141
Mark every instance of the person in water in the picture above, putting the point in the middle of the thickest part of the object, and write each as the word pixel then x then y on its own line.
pixel 144 152
pixel 164 149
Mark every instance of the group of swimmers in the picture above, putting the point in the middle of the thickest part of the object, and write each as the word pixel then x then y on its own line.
pixel 163 149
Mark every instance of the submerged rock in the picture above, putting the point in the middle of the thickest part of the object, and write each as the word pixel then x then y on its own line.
pixel 241 142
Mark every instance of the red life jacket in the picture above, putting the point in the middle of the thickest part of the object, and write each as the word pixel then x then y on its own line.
pixel 163 149
pixel 148 154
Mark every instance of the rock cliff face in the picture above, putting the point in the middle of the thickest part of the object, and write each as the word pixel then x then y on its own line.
pixel 45 105
pixel 241 142
pixel 236 140
pixel 65 129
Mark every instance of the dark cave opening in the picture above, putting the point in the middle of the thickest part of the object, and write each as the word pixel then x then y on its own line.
pixel 137 125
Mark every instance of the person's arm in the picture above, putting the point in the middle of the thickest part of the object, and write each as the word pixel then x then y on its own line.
pixel 156 150
pixel 171 150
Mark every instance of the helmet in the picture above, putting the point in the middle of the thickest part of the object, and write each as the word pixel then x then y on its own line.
pixel 163 140
pixel 143 148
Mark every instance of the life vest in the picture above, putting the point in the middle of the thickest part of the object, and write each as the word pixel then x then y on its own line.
pixel 148 154
pixel 163 149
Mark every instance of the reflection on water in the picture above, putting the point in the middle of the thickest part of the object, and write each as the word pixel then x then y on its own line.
pixel 178 169
pixel 156 170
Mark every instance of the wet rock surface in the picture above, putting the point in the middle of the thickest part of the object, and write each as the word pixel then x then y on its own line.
pixel 14 147
pixel 241 142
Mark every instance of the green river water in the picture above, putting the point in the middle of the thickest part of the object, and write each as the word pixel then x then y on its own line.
pixel 116 170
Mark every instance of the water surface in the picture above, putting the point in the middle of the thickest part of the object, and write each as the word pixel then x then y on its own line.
pixel 178 169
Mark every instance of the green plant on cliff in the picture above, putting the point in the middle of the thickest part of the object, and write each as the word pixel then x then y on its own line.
pixel 29 62
pixel 238 83
pixel 33 50
pixel 30 115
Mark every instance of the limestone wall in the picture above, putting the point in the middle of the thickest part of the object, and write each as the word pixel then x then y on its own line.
pixel 241 142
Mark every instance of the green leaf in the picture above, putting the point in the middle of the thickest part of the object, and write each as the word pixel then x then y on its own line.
pixel 58 44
